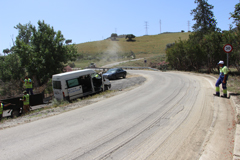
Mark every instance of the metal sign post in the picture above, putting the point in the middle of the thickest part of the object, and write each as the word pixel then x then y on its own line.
pixel 227 48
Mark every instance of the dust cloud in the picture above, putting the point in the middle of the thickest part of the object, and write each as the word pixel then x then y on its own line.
pixel 113 49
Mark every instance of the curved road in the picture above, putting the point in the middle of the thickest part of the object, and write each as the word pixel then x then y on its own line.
pixel 171 116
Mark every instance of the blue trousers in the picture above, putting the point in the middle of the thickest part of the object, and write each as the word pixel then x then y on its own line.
pixel 224 86
pixel 28 90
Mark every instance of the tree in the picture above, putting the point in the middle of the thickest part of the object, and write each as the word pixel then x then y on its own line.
pixel 24 32
pixel 169 45
pixel 130 37
pixel 113 36
pixel 6 51
pixel 233 38
pixel 204 17
pixel 44 52
pixel 236 14
pixel 212 45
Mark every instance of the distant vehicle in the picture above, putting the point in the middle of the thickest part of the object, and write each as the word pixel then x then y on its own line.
pixel 75 84
pixel 92 65
pixel 115 73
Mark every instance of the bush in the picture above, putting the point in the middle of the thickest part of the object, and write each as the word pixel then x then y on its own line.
pixel 49 89
pixel 169 45
pixel 72 65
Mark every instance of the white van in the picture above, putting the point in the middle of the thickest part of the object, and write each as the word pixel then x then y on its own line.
pixel 75 84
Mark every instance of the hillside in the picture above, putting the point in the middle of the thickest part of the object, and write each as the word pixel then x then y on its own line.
pixel 145 46
pixel 153 44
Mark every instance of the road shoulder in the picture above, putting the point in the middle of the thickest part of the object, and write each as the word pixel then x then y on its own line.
pixel 236 152
pixel 236 104
pixel 118 87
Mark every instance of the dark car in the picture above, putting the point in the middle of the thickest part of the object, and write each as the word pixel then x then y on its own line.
pixel 115 73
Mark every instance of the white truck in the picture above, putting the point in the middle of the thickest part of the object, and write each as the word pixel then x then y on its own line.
pixel 76 84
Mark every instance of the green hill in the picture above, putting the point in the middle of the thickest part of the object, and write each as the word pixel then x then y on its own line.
pixel 107 51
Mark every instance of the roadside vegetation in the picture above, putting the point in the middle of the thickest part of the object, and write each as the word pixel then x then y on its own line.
pixel 204 47
pixel 38 52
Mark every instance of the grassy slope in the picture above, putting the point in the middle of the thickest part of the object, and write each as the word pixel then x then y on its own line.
pixel 145 46
pixel 154 44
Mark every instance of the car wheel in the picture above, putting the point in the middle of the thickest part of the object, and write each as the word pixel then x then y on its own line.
pixel 106 87
pixel 15 113
pixel 124 76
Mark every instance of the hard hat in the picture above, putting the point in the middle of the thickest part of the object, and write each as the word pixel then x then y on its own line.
pixel 220 62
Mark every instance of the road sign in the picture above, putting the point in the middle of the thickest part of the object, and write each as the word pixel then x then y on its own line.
pixel 228 48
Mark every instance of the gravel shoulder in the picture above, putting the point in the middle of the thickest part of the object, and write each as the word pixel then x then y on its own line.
pixel 46 110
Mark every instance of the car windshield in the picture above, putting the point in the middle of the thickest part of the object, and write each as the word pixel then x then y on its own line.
pixel 111 70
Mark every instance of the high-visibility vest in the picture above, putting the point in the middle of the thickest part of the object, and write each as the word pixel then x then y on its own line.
pixel 97 76
pixel 1 108
pixel 27 99
pixel 223 71
pixel 27 83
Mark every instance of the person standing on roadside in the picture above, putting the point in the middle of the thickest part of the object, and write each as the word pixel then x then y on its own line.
pixel 223 77
pixel 28 85
pixel 1 108
pixel 26 106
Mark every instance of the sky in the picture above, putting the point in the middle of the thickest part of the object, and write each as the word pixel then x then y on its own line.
pixel 94 20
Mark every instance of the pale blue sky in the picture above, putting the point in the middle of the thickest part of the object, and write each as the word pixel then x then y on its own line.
pixel 92 20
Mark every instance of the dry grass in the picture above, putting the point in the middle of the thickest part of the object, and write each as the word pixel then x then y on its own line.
pixel 151 62
pixel 143 47
pixel 154 44
pixel 234 84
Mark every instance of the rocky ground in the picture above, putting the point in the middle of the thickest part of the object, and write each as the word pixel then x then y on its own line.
pixel 54 108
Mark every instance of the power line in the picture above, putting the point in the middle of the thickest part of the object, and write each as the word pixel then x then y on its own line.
pixel 146 27
pixel 160 26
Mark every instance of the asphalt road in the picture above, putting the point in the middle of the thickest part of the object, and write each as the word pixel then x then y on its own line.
pixel 170 116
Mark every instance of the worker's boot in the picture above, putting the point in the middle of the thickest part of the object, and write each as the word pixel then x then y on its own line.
pixel 217 92
pixel 224 96
pixel 224 90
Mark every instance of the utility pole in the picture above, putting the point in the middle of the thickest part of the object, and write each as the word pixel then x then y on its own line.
pixel 116 30
pixel 146 26
pixel 160 26
pixel 188 25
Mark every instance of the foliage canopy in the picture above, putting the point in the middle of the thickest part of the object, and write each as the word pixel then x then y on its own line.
pixel 203 16
pixel 42 51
